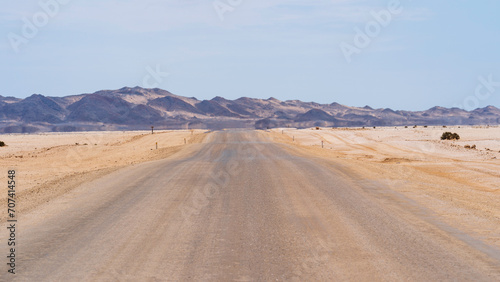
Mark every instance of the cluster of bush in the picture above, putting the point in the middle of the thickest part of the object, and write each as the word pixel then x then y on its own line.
pixel 450 136
pixel 2 143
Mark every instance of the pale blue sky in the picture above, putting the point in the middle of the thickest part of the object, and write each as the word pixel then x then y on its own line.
pixel 430 53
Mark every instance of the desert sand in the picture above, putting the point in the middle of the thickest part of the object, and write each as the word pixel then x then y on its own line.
pixel 51 164
pixel 460 186
pixel 383 204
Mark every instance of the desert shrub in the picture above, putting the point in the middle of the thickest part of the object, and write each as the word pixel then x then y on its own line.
pixel 2 144
pixel 317 128
pixel 450 136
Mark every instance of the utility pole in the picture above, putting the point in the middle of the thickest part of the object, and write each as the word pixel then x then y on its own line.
pixel 152 127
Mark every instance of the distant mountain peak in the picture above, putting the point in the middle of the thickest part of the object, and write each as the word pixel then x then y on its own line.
pixel 273 99
pixel 132 91
pixel 336 105
pixel 219 99
pixel 437 108
pixel 315 115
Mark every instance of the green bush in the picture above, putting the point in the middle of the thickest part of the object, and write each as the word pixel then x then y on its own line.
pixel 2 144
pixel 450 136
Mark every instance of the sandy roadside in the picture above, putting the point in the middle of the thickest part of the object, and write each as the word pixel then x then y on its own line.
pixel 459 187
pixel 50 164
pixel 267 215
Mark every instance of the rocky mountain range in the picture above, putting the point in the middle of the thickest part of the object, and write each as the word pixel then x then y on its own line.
pixel 138 108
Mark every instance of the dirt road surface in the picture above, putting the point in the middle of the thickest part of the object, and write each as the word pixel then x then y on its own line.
pixel 239 207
